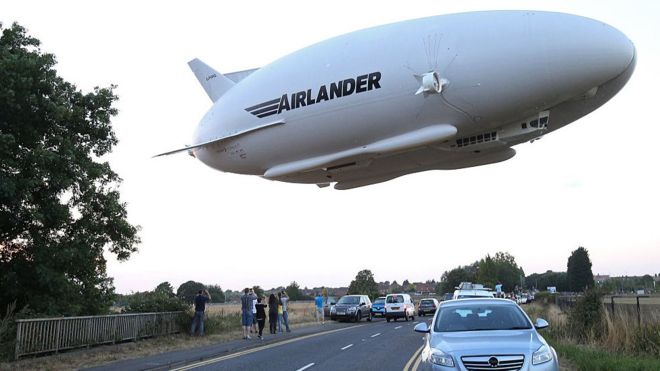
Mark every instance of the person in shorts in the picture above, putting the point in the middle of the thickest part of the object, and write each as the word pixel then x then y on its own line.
pixel 319 308
pixel 246 311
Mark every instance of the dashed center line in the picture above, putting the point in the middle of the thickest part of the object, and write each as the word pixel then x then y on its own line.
pixel 346 347
pixel 374 335
pixel 306 367
pixel 398 327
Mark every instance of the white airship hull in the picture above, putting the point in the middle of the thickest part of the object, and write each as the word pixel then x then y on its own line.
pixel 444 92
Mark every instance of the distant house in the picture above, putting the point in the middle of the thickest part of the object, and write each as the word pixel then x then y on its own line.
pixel 600 278
pixel 422 288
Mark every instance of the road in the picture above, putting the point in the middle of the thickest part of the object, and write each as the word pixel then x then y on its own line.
pixel 375 345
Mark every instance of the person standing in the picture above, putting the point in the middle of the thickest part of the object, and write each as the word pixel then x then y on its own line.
pixel 280 313
pixel 261 316
pixel 246 312
pixel 285 314
pixel 319 308
pixel 272 313
pixel 253 329
pixel 200 301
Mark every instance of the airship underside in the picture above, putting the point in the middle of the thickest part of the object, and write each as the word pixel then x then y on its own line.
pixel 438 93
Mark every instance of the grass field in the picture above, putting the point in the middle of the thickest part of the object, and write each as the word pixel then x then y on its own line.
pixel 299 311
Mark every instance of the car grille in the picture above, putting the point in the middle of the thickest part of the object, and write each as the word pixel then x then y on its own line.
pixel 502 362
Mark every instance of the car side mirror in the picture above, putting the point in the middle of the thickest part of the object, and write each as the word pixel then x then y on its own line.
pixel 332 303
pixel 362 303
pixel 541 324
pixel 422 327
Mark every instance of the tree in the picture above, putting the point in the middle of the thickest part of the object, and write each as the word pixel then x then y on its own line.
pixel 364 284
pixel 217 295
pixel 153 301
pixel 294 293
pixel 542 281
pixel 579 275
pixel 59 201
pixel 166 288
pixel 501 268
pixel 451 279
pixel 258 291
pixel 188 290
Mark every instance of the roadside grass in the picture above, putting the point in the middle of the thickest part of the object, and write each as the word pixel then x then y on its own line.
pixel 222 325
pixel 586 358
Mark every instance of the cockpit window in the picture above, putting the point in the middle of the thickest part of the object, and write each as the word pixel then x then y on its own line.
pixel 534 123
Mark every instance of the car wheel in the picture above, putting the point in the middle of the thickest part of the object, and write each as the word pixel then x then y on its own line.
pixel 358 317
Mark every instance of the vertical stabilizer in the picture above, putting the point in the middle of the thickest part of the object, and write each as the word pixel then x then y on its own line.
pixel 214 83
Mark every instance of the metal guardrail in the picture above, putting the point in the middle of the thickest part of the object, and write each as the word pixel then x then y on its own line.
pixel 45 335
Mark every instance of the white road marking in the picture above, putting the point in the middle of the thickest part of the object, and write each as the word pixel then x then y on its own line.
pixel 398 327
pixel 374 335
pixel 346 347
pixel 306 367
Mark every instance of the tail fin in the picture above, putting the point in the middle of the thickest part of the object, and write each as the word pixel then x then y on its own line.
pixel 214 83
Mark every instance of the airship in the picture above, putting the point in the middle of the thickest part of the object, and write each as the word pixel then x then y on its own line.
pixel 439 93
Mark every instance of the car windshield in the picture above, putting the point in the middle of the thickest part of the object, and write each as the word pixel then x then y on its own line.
pixel 479 317
pixel 426 302
pixel 395 299
pixel 349 300
pixel 379 301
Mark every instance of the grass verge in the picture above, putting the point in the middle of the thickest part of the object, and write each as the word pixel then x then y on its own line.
pixel 585 358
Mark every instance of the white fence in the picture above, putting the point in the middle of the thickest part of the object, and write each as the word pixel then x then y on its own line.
pixel 43 335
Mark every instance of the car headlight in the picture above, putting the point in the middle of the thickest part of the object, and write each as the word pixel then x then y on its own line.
pixel 440 358
pixel 542 355
pixel 352 309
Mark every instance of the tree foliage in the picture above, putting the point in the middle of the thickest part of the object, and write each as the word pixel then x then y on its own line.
pixel 153 301
pixel 59 203
pixel 579 275
pixel 294 292
pixel 364 284
pixel 542 281
pixel 452 278
pixel 501 268
pixel 217 295
pixel 188 290
pixel 166 288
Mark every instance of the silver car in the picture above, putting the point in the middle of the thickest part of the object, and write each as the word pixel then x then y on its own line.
pixel 485 334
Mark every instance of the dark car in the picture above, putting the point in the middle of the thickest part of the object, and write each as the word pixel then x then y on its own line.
pixel 327 304
pixel 427 306
pixel 447 296
pixel 352 307
pixel 378 307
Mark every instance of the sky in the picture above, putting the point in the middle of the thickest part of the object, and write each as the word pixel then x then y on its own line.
pixel 593 183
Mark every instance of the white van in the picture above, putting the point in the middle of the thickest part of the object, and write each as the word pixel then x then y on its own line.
pixel 399 306
pixel 468 290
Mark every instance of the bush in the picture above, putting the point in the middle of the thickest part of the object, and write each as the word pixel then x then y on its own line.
pixel 585 320
pixel 153 301
pixel 8 333
pixel 213 323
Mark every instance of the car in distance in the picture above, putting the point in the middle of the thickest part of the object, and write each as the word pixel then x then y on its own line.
pixel 447 296
pixel 378 307
pixel 485 334
pixel 327 304
pixel 399 306
pixel 351 308
pixel 427 306
pixel 468 290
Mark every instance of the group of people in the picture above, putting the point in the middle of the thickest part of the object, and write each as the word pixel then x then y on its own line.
pixel 253 313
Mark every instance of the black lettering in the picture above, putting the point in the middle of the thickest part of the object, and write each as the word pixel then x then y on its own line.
pixel 284 104
pixel 349 87
pixel 361 82
pixel 323 94
pixel 300 99
pixel 335 90
pixel 310 100
pixel 374 79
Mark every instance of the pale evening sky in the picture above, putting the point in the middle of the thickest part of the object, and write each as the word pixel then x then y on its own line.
pixel 593 183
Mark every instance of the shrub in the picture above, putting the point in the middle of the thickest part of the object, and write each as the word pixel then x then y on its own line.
pixel 153 301
pixel 8 332
pixel 585 320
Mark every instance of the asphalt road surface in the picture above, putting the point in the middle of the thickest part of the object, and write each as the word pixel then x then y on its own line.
pixel 375 345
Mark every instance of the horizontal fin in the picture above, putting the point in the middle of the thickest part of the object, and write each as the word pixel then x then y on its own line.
pixel 410 140
pixel 214 83
pixel 239 75
pixel 225 137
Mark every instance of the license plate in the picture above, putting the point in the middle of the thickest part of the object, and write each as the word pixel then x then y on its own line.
pixel 395 308
pixel 341 312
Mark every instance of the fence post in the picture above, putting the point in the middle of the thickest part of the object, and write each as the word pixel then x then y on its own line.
pixel 19 335
pixel 639 316
pixel 57 336
pixel 612 305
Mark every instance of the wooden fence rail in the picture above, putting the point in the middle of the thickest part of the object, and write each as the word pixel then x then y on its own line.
pixel 43 335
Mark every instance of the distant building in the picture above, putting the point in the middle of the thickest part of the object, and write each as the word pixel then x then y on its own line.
pixel 600 278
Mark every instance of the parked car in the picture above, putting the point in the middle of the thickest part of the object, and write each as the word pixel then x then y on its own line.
pixel 467 290
pixel 378 307
pixel 485 334
pixel 351 307
pixel 427 306
pixel 399 306
pixel 327 304
pixel 447 296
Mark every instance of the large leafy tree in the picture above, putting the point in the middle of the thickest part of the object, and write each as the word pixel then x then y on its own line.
pixel 188 290
pixel 364 284
pixel 579 275
pixel 501 268
pixel 59 203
